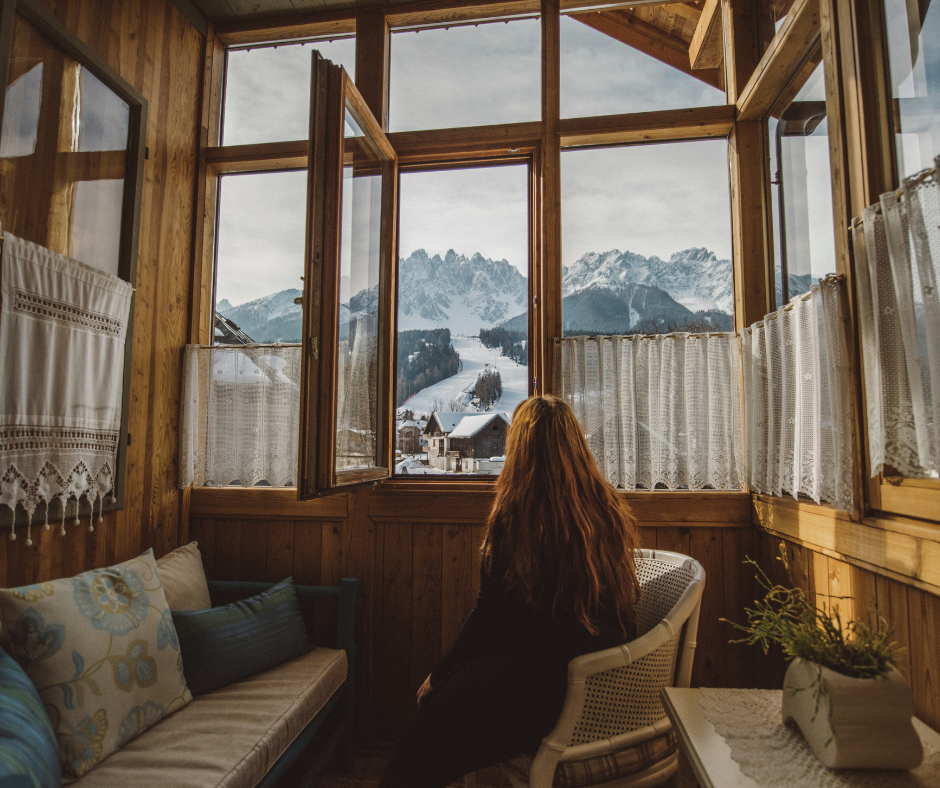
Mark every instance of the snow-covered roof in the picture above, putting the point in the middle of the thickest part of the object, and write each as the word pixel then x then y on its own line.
pixel 472 423
pixel 447 420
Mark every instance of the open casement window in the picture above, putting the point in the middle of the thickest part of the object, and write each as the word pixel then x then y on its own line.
pixel 348 289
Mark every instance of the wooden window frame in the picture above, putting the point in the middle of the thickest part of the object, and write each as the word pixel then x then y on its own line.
pixel 44 21
pixel 539 142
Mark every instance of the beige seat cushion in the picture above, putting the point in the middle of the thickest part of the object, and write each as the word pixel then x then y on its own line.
pixel 229 738
pixel 184 579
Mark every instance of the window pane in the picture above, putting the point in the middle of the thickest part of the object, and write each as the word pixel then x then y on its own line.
pixel 646 239
pixel 914 50
pixel 260 257
pixel 267 90
pixel 465 76
pixel 603 76
pixel 85 159
pixel 357 357
pixel 463 317
pixel 802 198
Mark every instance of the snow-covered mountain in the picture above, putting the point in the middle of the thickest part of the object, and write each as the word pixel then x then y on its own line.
pixel 695 278
pixel 271 318
pixel 609 292
pixel 463 294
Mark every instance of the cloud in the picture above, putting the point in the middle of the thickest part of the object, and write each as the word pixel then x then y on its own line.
pixel 480 210
pixel 648 199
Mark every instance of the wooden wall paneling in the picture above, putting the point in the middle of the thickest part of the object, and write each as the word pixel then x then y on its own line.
pixel 892 605
pixel 456 582
pixel 739 592
pixel 395 699
pixel 280 563
pixel 427 540
pixel 204 532
pixel 673 538
pixel 710 668
pixel 253 555
pixel 647 537
pixel 307 541
pixel 227 550
pixel 924 623
pixel 841 590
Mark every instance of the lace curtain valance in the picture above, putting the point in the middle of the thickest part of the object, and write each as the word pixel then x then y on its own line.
pixel 658 411
pixel 797 416
pixel 63 326
pixel 240 415
pixel 897 263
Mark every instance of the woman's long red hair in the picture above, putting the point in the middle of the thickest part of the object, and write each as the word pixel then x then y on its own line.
pixel 566 536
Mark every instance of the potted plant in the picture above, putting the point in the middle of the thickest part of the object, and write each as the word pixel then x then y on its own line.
pixel 841 688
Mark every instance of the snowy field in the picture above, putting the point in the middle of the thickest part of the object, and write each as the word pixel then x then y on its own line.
pixel 475 358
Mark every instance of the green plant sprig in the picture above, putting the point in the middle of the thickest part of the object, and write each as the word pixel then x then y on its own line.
pixel 859 648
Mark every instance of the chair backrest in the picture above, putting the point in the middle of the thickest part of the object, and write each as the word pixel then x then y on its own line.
pixel 615 691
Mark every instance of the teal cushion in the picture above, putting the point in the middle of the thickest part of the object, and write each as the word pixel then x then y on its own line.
pixel 29 753
pixel 232 642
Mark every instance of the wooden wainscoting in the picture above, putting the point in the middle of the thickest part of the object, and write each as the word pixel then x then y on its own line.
pixel 415 549
pixel 151 44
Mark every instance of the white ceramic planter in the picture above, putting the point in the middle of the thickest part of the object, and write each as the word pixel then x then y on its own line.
pixel 860 723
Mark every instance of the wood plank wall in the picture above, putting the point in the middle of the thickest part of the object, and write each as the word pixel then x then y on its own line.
pixel 152 45
pixel 415 552
pixel 914 614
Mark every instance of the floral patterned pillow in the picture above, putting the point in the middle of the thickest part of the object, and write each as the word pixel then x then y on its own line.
pixel 102 651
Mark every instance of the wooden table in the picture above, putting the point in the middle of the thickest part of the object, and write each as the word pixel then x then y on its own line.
pixel 708 754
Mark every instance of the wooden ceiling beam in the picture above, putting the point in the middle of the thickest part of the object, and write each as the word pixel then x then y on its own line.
pixel 793 43
pixel 627 29
pixel 706 49
pixel 688 11
pixel 657 126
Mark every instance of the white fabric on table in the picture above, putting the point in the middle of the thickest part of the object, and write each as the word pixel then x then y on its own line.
pixel 63 326
pixel 657 410
pixel 775 755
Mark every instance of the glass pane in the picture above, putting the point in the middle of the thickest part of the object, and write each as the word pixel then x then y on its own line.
pixel 914 50
pixel 465 76
pixel 364 172
pixel 463 317
pixel 646 239
pixel 603 76
pixel 804 236
pixel 62 184
pixel 267 90
pixel 260 257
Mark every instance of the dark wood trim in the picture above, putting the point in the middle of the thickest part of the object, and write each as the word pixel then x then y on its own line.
pixel 7 22
pixel 260 503
pixel 547 296
pixel 793 43
pixel 323 24
pixel 373 40
pixel 671 124
pixel 194 15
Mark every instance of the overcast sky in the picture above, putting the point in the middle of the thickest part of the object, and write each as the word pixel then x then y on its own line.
pixel 656 199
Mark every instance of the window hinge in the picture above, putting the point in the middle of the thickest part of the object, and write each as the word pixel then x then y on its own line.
pixel 146 152
pixel 314 347
pixel 128 439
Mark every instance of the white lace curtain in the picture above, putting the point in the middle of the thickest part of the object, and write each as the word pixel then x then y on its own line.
pixel 796 385
pixel 897 263
pixel 63 326
pixel 657 411
pixel 240 415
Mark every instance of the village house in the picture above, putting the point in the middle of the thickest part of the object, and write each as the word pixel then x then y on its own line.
pixel 456 440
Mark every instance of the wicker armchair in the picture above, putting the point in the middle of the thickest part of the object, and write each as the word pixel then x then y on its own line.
pixel 613 731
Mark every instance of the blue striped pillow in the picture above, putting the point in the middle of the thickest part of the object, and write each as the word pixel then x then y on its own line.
pixel 29 753
pixel 232 642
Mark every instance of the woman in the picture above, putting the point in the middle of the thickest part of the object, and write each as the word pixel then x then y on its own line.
pixel 557 580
